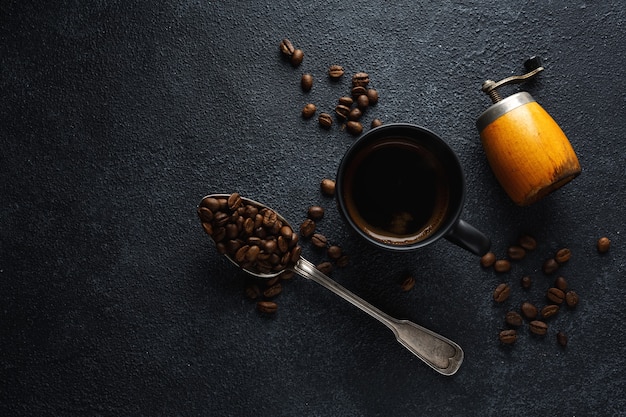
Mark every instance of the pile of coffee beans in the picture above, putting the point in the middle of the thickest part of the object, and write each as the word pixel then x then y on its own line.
pixel 254 237
pixel 350 108
pixel 556 295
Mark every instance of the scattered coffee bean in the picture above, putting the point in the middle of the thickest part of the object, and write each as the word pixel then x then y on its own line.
pixel 328 187
pixel 315 213
pixel 561 339
pixel 360 79
pixel 561 283
pixel 362 101
pixel 354 128
pixel 346 101
pixel 335 71
pixel 342 111
pixel 550 266
pixel 501 293
pixel 555 295
pixel 267 307
pixel 538 327
pixel 355 114
pixel 309 111
pixel 325 268
pixel 343 261
pixel 273 291
pixel 527 242
pixel 297 57
pixel 307 228
pixel 549 311
pixel 516 253
pixel 319 240
pixel 526 282
pixel 502 265
pixel 325 120
pixel 306 82
pixel 508 337
pixel 286 47
pixel 529 310
pixel 513 318
pixel 563 255
pixel 488 259
pixel 376 123
pixel 372 95
pixel 603 244
pixel 571 298
pixel 334 252
pixel 407 283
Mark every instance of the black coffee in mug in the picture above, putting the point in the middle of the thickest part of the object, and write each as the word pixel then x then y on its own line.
pixel 401 187
pixel 396 190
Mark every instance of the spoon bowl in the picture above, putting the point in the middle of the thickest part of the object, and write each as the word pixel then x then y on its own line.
pixel 438 352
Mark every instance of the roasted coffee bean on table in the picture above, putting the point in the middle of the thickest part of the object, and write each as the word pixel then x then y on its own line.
pixel 561 283
pixel 325 120
pixel 315 213
pixel 526 282
pixel 527 242
pixel 561 338
pixel 549 311
pixel 328 186
pixel 297 57
pixel 508 337
pixel 309 110
pixel 571 299
pixel 516 253
pixel 538 327
pixel 488 259
pixel 306 82
pixel 555 295
pixel 513 318
pixel 550 266
pixel 502 265
pixel 335 71
pixel 563 255
pixel 501 293
pixel 603 245
pixel 529 310
pixel 407 283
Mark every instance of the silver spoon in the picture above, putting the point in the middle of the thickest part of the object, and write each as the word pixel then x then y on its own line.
pixel 438 352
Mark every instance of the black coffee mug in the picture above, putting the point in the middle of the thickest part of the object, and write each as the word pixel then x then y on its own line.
pixel 401 187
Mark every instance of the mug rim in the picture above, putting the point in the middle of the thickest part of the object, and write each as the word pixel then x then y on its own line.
pixel 380 132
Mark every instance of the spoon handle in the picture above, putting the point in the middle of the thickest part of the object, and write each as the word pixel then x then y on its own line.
pixel 438 352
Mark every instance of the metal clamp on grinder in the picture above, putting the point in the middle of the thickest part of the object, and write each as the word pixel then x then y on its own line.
pixel 527 150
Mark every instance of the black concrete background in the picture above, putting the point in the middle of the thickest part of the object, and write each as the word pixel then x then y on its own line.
pixel 118 117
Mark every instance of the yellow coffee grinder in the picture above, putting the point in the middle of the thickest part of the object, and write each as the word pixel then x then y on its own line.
pixel 527 150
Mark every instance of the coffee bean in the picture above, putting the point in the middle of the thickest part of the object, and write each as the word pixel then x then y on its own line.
pixel 358 91
pixel 502 265
pixel 488 259
pixel 355 114
pixel 325 268
pixel 362 101
pixel 561 339
pixel 562 255
pixel 273 290
pixel 527 242
pixel 407 283
pixel 550 266
pixel 297 57
pixel 343 261
pixel 335 71
pixel 501 293
pixel 307 228
pixel 603 244
pixel 296 252
pixel 342 111
pixel 346 101
pixel 267 307
pixel 325 120
pixel 516 253
pixel 508 337
pixel 526 282
pixel 538 327
pixel 315 213
pixel 555 295
pixel 561 283
pixel 286 47
pixel 253 292
pixel 354 128
pixel 208 228
pixel 334 252
pixel 513 318
pixel 372 95
pixel 306 82
pixel 206 215
pixel 269 218
pixel 376 123
pixel 360 79
pixel 319 240
pixel 309 110
pixel 529 310
pixel 211 203
pixel 328 187
pixel 549 311
pixel 571 298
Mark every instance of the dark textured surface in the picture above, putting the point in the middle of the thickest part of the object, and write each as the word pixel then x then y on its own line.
pixel 117 117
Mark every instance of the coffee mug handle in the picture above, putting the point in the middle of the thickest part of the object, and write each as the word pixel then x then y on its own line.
pixel 468 237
